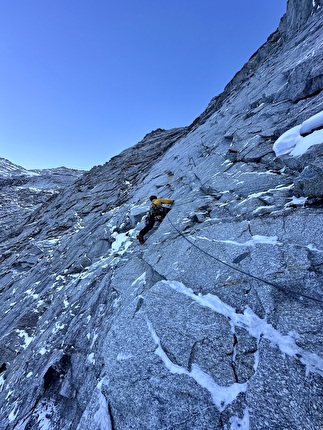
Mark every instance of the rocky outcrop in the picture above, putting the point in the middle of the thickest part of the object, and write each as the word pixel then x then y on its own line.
pixel 215 323
pixel 297 16
pixel 310 182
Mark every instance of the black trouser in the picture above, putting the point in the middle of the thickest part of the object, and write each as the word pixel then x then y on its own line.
pixel 150 222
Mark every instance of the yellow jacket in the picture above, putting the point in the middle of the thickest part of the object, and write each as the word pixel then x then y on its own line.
pixel 159 202
pixel 157 210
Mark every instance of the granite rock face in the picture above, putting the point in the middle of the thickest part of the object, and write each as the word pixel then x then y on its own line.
pixel 215 322
pixel 298 14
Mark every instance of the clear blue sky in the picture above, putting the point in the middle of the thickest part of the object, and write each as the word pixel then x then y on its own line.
pixel 82 80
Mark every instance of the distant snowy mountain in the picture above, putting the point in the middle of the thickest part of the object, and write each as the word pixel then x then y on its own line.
pixel 215 323
pixel 47 177
pixel 9 169
pixel 22 191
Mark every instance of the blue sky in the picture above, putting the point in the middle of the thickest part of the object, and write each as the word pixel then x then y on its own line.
pixel 82 80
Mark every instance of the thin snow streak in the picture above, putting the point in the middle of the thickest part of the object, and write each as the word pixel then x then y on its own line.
pixel 221 396
pixel 255 326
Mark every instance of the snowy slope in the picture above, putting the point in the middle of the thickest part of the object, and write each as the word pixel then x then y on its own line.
pixel 8 169
pixel 23 191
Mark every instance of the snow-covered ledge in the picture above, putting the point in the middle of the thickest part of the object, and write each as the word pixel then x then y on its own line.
pixel 297 140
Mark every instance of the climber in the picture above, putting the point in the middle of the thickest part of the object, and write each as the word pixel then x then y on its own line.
pixel 157 212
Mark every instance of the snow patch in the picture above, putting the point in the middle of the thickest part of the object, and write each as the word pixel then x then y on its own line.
pixel 141 280
pixel 31 293
pixel 13 414
pixel 121 243
pixel 255 240
pixel 255 326
pixel 24 335
pixel 298 201
pixel 312 247
pixel 42 351
pixel 240 424
pixel 221 396
pixel 261 209
pixel 94 340
pixel 1 382
pixel 297 140
pixel 58 326
pixel 91 358
pixel 101 417
pixel 45 412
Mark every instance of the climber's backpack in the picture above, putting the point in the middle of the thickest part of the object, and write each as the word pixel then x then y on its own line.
pixel 159 212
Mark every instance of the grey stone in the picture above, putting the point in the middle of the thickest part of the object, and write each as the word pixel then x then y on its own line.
pixel 310 182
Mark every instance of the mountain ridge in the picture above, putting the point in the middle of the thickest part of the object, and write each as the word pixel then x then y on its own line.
pixel 23 191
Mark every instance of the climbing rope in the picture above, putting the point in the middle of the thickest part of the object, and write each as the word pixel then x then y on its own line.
pixel 237 269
